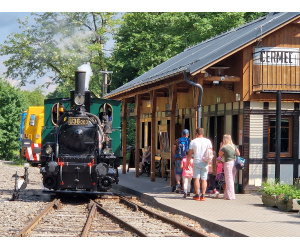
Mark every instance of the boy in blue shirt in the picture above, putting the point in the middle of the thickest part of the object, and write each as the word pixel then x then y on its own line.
pixel 180 149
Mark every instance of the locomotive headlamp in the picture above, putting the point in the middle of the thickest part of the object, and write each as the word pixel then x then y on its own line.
pixel 106 151
pixel 49 150
pixel 79 99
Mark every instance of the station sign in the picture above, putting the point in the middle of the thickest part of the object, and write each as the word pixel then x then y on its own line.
pixel 276 56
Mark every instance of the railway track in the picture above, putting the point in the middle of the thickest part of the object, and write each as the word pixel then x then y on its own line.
pixel 118 217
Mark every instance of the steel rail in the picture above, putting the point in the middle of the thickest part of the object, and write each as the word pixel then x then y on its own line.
pixel 165 219
pixel 37 219
pixel 89 221
pixel 124 223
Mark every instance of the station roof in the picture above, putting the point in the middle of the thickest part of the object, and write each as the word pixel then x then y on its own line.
pixel 200 56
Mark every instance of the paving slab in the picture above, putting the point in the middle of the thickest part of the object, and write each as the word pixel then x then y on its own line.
pixel 245 216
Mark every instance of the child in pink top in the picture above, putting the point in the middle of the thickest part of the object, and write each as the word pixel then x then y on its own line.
pixel 213 170
pixel 187 175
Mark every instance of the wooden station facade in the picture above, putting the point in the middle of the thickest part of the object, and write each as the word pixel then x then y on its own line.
pixel 246 91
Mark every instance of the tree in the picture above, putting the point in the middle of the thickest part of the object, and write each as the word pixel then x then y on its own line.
pixel 62 91
pixel 57 44
pixel 14 102
pixel 34 98
pixel 146 39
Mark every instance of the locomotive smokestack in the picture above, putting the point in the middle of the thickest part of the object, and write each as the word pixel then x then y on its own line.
pixel 80 82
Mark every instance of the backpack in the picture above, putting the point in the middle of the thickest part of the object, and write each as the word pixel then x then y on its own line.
pixel 183 147
pixel 208 155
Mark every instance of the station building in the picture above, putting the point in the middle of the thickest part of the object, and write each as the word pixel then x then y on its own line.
pixel 245 82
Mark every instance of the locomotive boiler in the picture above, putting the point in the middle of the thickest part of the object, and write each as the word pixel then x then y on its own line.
pixel 80 157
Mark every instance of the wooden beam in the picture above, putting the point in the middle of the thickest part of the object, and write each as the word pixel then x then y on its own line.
pixel 160 94
pixel 297 21
pixel 147 88
pixel 137 134
pixel 222 78
pixel 124 125
pixel 172 101
pixel 153 99
pixel 183 90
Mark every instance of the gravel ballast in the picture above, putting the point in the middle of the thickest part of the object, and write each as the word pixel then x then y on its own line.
pixel 14 215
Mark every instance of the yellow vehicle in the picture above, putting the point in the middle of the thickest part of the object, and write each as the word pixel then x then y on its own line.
pixel 32 135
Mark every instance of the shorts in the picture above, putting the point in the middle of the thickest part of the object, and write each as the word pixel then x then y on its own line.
pixel 178 170
pixel 201 170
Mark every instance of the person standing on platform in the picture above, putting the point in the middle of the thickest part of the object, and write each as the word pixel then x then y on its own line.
pixel 180 149
pixel 198 147
pixel 229 151
pixel 212 172
pixel 187 175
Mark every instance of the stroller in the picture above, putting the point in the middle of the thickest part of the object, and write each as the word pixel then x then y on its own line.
pixel 220 178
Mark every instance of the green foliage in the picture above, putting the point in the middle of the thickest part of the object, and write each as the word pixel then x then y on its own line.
pixel 146 39
pixel 58 43
pixel 13 104
pixel 35 97
pixel 283 191
pixel 268 187
pixel 130 131
pixel 62 91
pixel 17 160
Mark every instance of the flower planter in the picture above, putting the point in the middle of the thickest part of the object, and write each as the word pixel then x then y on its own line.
pixel 291 205
pixel 269 200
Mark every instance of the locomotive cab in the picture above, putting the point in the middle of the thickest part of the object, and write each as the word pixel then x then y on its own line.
pixel 80 158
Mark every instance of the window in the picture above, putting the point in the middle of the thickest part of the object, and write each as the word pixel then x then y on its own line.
pixel 286 136
pixel 106 110
pixel 54 114
pixel 32 120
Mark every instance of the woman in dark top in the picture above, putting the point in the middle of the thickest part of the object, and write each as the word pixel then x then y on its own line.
pixel 229 152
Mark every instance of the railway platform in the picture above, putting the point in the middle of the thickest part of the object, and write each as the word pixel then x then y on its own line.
pixel 246 216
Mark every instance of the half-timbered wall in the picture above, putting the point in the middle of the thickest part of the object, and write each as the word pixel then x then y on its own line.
pixel 261 162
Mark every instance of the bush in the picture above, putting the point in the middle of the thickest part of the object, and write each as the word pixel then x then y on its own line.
pixel 283 191
pixel 18 161
pixel 12 105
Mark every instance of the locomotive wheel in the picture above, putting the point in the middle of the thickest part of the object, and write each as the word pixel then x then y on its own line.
pixel 105 183
pixel 50 182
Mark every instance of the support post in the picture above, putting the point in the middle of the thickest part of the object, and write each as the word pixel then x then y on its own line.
pixel 173 101
pixel 104 81
pixel 124 125
pixel 137 134
pixel 153 98
pixel 278 135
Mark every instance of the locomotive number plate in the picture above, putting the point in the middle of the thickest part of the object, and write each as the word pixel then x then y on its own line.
pixel 83 121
